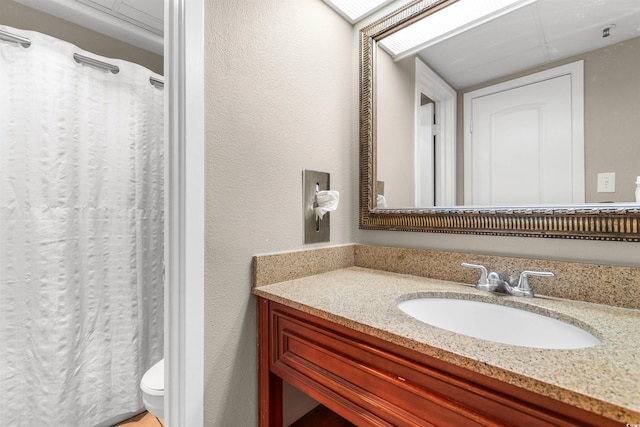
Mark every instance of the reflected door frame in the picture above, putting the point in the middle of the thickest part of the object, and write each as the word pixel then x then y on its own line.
pixel 437 89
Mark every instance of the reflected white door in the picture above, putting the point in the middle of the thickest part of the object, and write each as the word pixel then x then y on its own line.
pixel 525 145
pixel 425 170
pixel 435 146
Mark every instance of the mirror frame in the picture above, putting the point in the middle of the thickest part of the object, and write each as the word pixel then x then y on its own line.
pixel 590 222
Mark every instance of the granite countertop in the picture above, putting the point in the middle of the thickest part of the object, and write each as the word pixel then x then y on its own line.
pixel 603 379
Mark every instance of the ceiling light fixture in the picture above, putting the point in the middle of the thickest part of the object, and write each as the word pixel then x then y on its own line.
pixel 448 22
pixel 355 10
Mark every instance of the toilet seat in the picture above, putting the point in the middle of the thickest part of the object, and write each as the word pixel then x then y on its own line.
pixel 152 386
pixel 153 380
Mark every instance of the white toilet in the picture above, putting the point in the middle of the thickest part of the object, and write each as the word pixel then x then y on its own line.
pixel 152 386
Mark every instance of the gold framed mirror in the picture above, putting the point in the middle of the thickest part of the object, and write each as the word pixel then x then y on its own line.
pixel 592 221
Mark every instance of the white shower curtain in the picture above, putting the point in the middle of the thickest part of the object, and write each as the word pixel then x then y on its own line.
pixel 81 234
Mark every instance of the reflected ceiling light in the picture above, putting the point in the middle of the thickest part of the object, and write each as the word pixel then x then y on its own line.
pixel 355 10
pixel 447 22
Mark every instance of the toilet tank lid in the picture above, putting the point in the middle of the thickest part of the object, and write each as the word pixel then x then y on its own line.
pixel 153 380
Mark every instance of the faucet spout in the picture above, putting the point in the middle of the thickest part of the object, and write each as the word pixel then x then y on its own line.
pixel 483 282
pixel 500 283
pixel 495 282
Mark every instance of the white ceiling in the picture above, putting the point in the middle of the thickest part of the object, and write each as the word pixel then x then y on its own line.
pixel 137 22
pixel 540 33
pixel 147 14
pixel 355 10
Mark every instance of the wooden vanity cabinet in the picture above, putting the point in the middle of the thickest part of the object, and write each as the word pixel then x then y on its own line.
pixel 372 382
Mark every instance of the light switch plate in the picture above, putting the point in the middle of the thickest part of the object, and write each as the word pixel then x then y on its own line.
pixel 607 182
pixel 315 231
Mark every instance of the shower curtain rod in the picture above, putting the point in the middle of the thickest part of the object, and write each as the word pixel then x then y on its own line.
pixel 95 63
pixel 156 82
pixel 25 42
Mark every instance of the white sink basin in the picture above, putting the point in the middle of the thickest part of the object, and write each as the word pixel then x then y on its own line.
pixel 498 323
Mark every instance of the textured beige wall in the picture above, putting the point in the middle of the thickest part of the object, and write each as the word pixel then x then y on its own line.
pixel 279 82
pixel 26 18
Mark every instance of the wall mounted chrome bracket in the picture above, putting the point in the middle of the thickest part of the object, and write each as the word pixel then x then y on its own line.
pixel 315 230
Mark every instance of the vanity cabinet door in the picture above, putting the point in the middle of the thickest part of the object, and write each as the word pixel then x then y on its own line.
pixel 372 382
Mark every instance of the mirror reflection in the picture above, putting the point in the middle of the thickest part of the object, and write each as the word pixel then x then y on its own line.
pixel 536 103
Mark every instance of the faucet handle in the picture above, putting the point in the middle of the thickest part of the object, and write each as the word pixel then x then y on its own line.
pixel 483 283
pixel 523 283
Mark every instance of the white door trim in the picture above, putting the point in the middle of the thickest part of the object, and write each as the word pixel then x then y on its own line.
pixel 432 85
pixel 184 213
pixel 576 71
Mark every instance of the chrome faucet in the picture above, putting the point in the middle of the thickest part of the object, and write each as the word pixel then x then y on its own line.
pixel 494 281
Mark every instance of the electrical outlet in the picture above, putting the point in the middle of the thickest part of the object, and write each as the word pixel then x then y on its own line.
pixel 607 182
